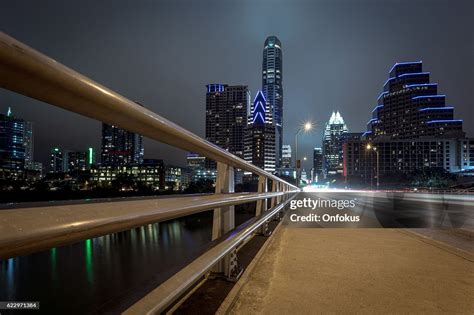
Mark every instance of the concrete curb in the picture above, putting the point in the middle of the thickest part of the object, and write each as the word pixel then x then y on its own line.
pixel 231 298
pixel 443 246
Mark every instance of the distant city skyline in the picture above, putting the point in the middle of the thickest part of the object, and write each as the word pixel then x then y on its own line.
pixel 337 56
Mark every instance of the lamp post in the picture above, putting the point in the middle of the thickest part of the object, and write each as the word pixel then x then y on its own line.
pixel 370 147
pixel 307 126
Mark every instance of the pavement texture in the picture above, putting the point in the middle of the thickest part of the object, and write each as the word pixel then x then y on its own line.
pixel 370 271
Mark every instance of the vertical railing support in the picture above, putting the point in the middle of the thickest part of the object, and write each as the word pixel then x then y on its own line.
pixel 279 188
pixel 273 202
pixel 224 221
pixel 262 188
pixel 276 200
pixel 262 205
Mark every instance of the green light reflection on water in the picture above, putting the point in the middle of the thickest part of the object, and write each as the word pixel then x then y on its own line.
pixel 88 255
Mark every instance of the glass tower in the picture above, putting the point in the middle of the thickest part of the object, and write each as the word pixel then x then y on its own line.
pixel 272 77
pixel 16 142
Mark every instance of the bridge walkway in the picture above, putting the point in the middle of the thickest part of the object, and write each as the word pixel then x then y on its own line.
pixel 310 270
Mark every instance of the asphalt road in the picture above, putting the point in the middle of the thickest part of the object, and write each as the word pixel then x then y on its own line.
pixel 381 209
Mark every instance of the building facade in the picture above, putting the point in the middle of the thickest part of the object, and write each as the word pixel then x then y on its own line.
pixel 120 147
pixel 286 156
pixel 332 146
pixel 16 142
pixel 57 161
pixel 259 138
pixel 405 156
pixel 272 87
pixel 317 164
pixel 411 129
pixel 226 117
pixel 410 107
pixel 149 173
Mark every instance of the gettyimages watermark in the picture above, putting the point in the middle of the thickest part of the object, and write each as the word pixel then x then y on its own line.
pixel 379 210
pixel 318 216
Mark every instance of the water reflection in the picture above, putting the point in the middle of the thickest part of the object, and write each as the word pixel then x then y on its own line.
pixel 102 274
pixel 88 255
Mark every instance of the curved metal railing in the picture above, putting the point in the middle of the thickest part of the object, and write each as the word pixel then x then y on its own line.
pixel 22 231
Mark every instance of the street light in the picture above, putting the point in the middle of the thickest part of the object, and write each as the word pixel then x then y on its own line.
pixel 307 126
pixel 370 147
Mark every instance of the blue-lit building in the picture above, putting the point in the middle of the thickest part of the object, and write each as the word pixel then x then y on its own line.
pixel 259 142
pixel 411 129
pixel 410 107
pixel 16 142
pixel 272 79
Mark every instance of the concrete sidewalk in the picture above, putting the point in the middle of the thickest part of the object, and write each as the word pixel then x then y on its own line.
pixel 377 271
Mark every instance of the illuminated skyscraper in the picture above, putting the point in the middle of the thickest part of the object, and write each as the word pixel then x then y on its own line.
pixel 317 163
pixel 120 147
pixel 16 142
pixel 410 107
pixel 260 136
pixel 272 78
pixel 332 146
pixel 226 115
pixel 58 161
pixel 411 130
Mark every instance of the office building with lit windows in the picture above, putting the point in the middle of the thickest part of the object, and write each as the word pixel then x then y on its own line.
pixel 226 117
pixel 58 161
pixel 16 142
pixel 411 129
pixel 317 171
pixel 272 87
pixel 286 156
pixel 410 107
pixel 151 173
pixel 332 146
pixel 259 138
pixel 120 147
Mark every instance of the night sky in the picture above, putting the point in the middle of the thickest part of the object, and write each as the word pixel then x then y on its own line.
pixel 336 56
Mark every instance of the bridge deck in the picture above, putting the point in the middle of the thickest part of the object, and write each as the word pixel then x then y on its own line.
pixel 379 271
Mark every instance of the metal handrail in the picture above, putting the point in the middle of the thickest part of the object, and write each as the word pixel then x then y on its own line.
pixel 28 230
pixel 22 231
pixel 163 296
pixel 28 72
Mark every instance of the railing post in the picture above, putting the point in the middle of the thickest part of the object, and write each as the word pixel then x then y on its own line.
pixel 262 204
pixel 262 188
pixel 224 221
pixel 276 200
pixel 279 188
pixel 273 202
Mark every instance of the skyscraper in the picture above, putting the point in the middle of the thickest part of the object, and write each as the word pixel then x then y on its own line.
pixel 260 136
pixel 58 161
pixel 410 107
pixel 332 146
pixel 226 115
pixel 272 77
pixel 317 163
pixel 16 142
pixel 120 147
pixel 286 156
pixel 411 129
